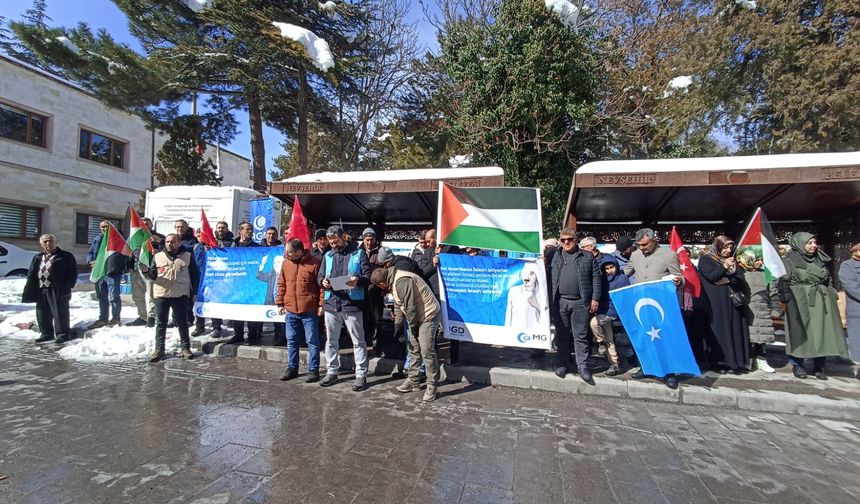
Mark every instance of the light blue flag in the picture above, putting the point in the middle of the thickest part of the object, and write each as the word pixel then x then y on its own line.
pixel 652 318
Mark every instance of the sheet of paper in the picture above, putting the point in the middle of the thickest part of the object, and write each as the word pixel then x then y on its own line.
pixel 339 283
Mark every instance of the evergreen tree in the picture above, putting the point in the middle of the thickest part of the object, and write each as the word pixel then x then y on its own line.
pixel 180 159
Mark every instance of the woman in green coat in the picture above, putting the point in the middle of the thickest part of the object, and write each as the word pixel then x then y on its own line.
pixel 813 329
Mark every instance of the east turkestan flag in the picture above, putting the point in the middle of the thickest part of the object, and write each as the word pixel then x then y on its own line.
pixel 759 237
pixel 112 243
pixel 499 218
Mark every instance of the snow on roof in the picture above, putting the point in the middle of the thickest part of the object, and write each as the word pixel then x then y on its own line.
pixel 735 163
pixel 394 175
pixel 181 191
pixel 318 49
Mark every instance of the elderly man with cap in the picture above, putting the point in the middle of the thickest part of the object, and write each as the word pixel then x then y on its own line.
pixel 320 245
pixel 652 262
pixel 388 259
pixel 344 307
pixel 415 306
pixel 373 304
pixel 50 279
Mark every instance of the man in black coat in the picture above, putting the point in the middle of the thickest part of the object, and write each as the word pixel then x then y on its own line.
pixel 575 285
pixel 53 272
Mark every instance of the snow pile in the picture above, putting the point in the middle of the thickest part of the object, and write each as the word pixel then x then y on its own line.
pixel 567 12
pixel 69 44
pixel 317 48
pixel 746 4
pixel 327 6
pixel 198 5
pixel 459 160
pixel 680 82
pixel 16 317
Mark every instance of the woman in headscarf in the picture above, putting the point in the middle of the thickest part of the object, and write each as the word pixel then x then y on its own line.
pixel 849 276
pixel 727 339
pixel 763 307
pixel 813 329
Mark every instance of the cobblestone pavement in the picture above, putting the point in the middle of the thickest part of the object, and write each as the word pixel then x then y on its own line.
pixel 219 430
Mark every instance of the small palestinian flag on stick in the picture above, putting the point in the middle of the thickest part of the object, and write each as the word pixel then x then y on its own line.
pixel 760 238
pixel 112 243
pixel 497 218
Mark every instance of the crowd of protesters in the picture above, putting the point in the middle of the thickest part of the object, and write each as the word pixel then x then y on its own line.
pixel 729 325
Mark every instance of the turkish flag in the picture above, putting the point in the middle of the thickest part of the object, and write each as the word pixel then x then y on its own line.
pixel 691 278
pixel 207 237
pixel 299 226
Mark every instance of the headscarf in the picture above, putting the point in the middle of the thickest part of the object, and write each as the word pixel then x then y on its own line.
pixel 719 244
pixel 798 243
pixel 747 260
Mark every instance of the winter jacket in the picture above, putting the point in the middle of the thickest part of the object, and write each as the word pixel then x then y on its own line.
pixel 298 289
pixel 430 272
pixel 588 274
pixel 654 266
pixel 175 275
pixel 611 282
pixel 188 240
pixel 414 302
pixel 116 263
pixel 226 240
pixel 762 308
pixel 849 277
pixel 349 261
pixel 64 275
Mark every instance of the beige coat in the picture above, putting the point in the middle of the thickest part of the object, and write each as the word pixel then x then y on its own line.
pixel 173 275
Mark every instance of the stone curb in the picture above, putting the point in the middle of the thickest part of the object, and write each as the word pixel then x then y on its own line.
pixel 696 395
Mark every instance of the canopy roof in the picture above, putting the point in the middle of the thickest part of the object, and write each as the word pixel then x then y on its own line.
pixel 789 187
pixel 403 198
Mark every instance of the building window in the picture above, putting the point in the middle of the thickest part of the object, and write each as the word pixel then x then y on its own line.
pixel 101 149
pixel 87 227
pixel 18 221
pixel 22 126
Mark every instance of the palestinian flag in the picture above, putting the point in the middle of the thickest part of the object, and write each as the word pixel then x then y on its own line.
pixel 145 256
pixel 759 237
pixel 497 218
pixel 139 233
pixel 112 243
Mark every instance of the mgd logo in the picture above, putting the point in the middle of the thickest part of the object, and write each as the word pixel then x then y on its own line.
pixel 272 314
pixel 525 338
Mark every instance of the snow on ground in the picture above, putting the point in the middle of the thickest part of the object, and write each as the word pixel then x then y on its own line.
pixel 107 344
pixel 318 49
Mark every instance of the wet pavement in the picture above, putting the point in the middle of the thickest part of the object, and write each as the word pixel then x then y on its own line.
pixel 220 430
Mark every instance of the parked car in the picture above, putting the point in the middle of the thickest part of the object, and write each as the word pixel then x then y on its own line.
pixel 14 261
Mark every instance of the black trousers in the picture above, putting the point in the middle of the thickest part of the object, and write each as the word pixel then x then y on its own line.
pixel 255 329
pixel 179 305
pixel 52 314
pixel 571 323
pixel 280 332
pixel 200 323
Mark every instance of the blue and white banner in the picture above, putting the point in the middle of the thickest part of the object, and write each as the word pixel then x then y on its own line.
pixel 494 300
pixel 262 216
pixel 653 321
pixel 240 284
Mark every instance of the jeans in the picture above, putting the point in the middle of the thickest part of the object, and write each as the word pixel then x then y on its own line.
pixel 107 290
pixel 334 321
pixel 571 318
pixel 179 305
pixel 601 327
pixel 817 362
pixel 307 323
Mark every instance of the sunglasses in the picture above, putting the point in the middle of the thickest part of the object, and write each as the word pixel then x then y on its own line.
pixel 565 240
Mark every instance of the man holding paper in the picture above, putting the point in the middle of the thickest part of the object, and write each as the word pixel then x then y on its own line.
pixel 345 274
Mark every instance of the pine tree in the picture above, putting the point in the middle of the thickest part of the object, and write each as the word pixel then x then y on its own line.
pixel 180 159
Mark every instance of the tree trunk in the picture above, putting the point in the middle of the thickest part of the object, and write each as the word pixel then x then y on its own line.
pixel 303 122
pixel 258 147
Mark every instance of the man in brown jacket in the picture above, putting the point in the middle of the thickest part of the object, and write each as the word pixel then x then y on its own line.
pixel 300 298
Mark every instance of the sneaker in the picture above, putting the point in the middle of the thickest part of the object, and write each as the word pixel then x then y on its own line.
pixel 289 374
pixel 430 393
pixel 313 376
pixel 762 365
pixel 156 355
pixel 150 322
pixel 137 322
pixel 187 354
pixel 613 370
pixel 328 380
pixel 97 324
pixel 218 333
pixel 198 331
pixel 408 386
pixel 359 384
pixel 236 340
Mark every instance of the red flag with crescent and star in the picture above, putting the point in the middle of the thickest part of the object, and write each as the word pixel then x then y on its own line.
pixel 691 278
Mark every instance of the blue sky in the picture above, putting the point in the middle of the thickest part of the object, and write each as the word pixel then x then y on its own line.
pixel 104 14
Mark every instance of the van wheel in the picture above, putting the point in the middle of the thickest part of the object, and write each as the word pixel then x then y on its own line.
pixel 17 273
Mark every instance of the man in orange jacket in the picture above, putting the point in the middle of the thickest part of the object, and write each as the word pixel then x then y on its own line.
pixel 300 298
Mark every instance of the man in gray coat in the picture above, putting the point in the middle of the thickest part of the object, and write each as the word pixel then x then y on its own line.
pixel 652 262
